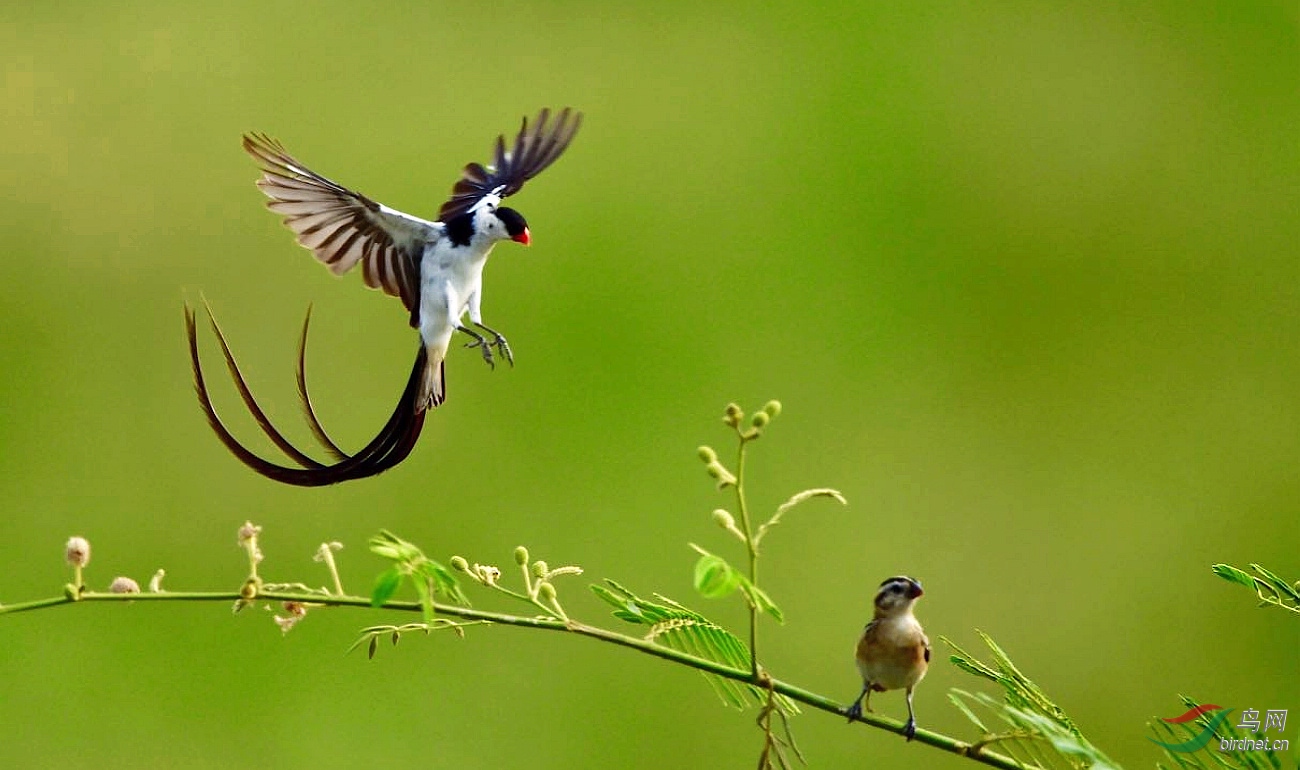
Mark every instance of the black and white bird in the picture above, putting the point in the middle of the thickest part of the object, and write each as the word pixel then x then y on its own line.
pixel 434 267
pixel 893 651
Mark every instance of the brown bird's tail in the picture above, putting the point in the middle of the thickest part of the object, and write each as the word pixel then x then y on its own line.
pixel 388 448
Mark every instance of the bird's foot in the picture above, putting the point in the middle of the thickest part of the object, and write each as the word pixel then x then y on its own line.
pixel 485 348
pixel 503 348
pixel 909 729
pixel 854 711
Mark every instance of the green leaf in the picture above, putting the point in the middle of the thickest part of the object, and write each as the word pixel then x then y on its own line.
pixel 421 584
pixel 444 581
pixel 624 604
pixel 1234 575
pixel 956 697
pixel 385 586
pixel 714 577
pixel 680 628
pixel 759 599
pixel 390 546
pixel 1282 587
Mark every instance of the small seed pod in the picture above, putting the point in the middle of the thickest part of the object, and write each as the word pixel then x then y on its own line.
pixel 707 455
pixel 773 408
pixel 459 564
pixel 546 592
pixel 77 551
pixel 124 585
pixel 521 555
pixel 759 420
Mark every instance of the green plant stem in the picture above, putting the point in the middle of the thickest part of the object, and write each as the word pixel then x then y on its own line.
pixel 752 550
pixel 937 740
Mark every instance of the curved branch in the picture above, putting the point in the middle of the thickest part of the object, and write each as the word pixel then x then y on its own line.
pixel 973 751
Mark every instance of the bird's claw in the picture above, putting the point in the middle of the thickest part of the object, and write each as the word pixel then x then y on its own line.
pixel 909 729
pixel 854 711
pixel 485 348
pixel 503 349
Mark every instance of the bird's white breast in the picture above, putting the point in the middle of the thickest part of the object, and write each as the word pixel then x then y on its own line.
pixel 449 276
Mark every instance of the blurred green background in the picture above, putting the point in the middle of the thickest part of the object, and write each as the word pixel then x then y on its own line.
pixel 1024 275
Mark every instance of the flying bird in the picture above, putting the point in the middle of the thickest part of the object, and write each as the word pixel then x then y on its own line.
pixel 434 267
pixel 893 651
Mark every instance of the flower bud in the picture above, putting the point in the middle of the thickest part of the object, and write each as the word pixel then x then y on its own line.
pixel 773 408
pixel 124 585
pixel 759 420
pixel 707 455
pixel 248 532
pixel 540 568
pixel 459 564
pixel 521 555
pixel 724 519
pixel 717 471
pixel 77 552
pixel 734 414
pixel 546 592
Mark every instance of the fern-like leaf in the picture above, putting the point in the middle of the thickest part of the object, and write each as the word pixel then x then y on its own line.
pixel 1269 587
pixel 1036 730
pixel 682 629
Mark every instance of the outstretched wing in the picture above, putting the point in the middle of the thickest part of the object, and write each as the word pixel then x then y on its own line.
pixel 535 149
pixel 342 227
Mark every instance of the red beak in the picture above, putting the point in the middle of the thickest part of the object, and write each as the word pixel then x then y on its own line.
pixel 525 238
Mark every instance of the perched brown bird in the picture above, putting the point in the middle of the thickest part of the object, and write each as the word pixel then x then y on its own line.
pixel 893 652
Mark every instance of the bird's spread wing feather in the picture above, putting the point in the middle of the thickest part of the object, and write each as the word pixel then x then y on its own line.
pixel 342 227
pixel 535 148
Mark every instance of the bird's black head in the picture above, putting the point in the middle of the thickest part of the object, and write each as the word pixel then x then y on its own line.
pixel 516 227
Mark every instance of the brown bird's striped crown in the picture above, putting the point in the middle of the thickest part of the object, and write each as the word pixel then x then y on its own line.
pixel 897 593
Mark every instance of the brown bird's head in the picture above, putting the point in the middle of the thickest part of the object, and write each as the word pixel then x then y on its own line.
pixel 897 594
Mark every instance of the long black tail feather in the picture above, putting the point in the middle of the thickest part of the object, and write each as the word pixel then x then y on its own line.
pixel 388 448
pixel 317 429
